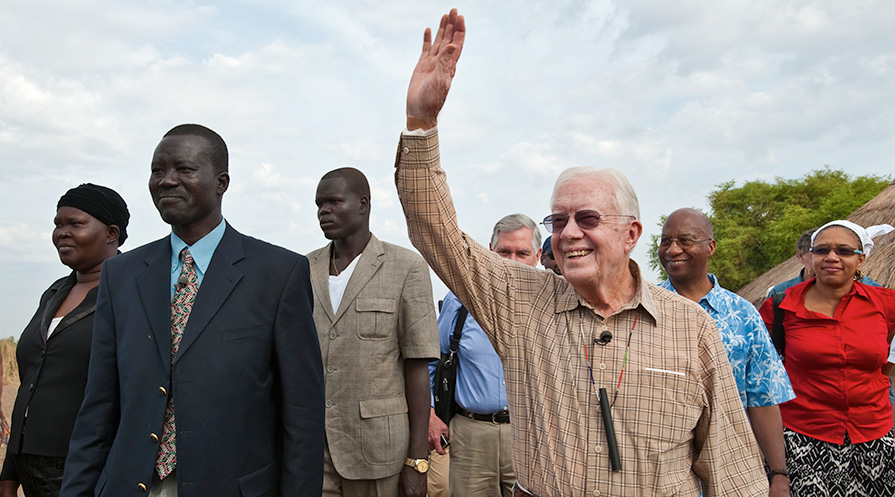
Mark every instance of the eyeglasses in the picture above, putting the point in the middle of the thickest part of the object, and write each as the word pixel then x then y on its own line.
pixel 840 251
pixel 683 242
pixel 586 220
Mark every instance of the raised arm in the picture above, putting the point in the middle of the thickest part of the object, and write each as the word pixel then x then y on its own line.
pixel 433 73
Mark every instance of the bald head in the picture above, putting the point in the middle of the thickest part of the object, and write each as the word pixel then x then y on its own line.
pixel 695 218
pixel 686 245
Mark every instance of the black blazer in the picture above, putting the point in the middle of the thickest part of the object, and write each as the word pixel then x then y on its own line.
pixel 53 374
pixel 247 381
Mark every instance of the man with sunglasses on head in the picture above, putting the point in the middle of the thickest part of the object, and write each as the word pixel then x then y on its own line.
pixel 685 246
pixel 615 386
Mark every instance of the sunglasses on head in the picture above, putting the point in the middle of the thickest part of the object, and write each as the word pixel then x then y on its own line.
pixel 586 220
pixel 840 251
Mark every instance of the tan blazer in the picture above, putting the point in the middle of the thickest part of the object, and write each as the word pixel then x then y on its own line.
pixel 386 315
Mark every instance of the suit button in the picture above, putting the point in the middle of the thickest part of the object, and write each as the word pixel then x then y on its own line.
pixel 31 387
pixel 153 437
pixel 329 403
pixel 43 353
pixel 330 369
pixel 141 487
pixel 163 391
pixel 332 336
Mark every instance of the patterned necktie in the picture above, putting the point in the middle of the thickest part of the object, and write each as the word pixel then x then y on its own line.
pixel 184 296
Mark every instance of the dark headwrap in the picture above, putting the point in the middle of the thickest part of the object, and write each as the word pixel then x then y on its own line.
pixel 100 202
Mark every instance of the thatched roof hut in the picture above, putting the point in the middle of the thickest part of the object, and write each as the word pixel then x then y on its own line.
pixel 879 266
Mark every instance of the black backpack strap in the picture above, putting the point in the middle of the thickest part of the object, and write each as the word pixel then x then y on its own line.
pixel 458 329
pixel 777 334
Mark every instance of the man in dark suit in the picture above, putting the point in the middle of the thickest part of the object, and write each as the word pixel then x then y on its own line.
pixel 205 375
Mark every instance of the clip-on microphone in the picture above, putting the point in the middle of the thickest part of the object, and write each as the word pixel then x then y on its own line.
pixel 605 338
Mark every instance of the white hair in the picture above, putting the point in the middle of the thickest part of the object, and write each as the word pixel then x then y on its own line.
pixel 514 222
pixel 624 199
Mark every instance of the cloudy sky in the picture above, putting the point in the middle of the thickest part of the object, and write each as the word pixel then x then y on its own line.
pixel 680 96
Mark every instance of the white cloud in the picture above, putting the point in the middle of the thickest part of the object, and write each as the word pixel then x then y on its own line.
pixel 679 96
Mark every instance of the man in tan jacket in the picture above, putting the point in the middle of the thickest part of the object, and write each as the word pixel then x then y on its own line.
pixel 375 320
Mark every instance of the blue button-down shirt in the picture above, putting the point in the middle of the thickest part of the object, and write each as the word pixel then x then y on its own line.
pixel 757 369
pixel 202 251
pixel 480 383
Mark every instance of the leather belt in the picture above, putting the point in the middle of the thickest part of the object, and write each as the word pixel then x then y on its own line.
pixel 498 418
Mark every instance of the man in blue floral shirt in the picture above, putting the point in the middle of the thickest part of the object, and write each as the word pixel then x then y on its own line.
pixel 684 250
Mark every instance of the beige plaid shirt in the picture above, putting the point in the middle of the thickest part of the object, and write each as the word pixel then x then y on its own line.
pixel 678 416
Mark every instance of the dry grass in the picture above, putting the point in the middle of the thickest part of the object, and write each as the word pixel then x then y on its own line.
pixel 8 353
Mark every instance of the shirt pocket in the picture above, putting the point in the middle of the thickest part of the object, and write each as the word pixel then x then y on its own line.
pixel 376 318
pixel 385 430
pixel 667 427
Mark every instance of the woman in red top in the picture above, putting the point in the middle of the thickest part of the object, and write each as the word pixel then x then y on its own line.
pixel 838 429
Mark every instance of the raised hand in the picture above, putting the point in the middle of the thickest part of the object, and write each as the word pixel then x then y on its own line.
pixel 434 71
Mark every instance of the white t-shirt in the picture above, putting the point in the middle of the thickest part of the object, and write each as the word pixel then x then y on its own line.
pixel 338 283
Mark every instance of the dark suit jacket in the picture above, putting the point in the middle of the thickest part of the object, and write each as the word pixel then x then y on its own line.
pixel 53 374
pixel 247 381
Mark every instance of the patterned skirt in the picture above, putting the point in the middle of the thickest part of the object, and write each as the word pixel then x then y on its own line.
pixel 823 469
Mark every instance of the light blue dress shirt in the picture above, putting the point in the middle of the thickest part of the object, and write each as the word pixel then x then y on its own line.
pixel 202 251
pixel 480 383
pixel 757 369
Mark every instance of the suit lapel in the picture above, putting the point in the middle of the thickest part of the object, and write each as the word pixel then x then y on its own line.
pixel 319 263
pixel 370 260
pixel 153 285
pixel 217 284
pixel 60 291
pixel 84 309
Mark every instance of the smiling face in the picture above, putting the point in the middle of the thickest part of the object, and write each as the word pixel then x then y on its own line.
pixel 685 227
pixel 185 186
pixel 82 241
pixel 587 257
pixel 833 270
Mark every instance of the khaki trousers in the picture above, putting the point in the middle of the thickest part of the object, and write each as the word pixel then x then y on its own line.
pixel 481 458
pixel 439 470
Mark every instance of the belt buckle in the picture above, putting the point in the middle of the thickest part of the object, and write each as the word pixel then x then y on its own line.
pixel 494 417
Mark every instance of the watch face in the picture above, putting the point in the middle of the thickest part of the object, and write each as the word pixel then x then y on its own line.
pixel 422 466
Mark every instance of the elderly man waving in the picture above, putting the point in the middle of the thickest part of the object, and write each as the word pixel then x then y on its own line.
pixel 615 386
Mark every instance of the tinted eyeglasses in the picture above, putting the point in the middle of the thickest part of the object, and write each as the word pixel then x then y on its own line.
pixel 683 242
pixel 586 220
pixel 840 251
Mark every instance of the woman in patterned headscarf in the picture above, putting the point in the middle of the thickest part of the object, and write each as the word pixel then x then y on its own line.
pixel 837 331
pixel 54 349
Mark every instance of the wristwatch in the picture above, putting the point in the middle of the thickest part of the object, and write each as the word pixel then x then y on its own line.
pixel 420 465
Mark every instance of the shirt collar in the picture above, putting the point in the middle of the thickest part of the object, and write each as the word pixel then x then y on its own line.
pixel 202 250
pixel 714 299
pixel 569 300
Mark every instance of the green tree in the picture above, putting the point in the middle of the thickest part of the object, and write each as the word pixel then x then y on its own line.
pixel 757 224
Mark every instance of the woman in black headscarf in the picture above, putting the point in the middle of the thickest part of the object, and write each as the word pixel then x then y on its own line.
pixel 54 350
